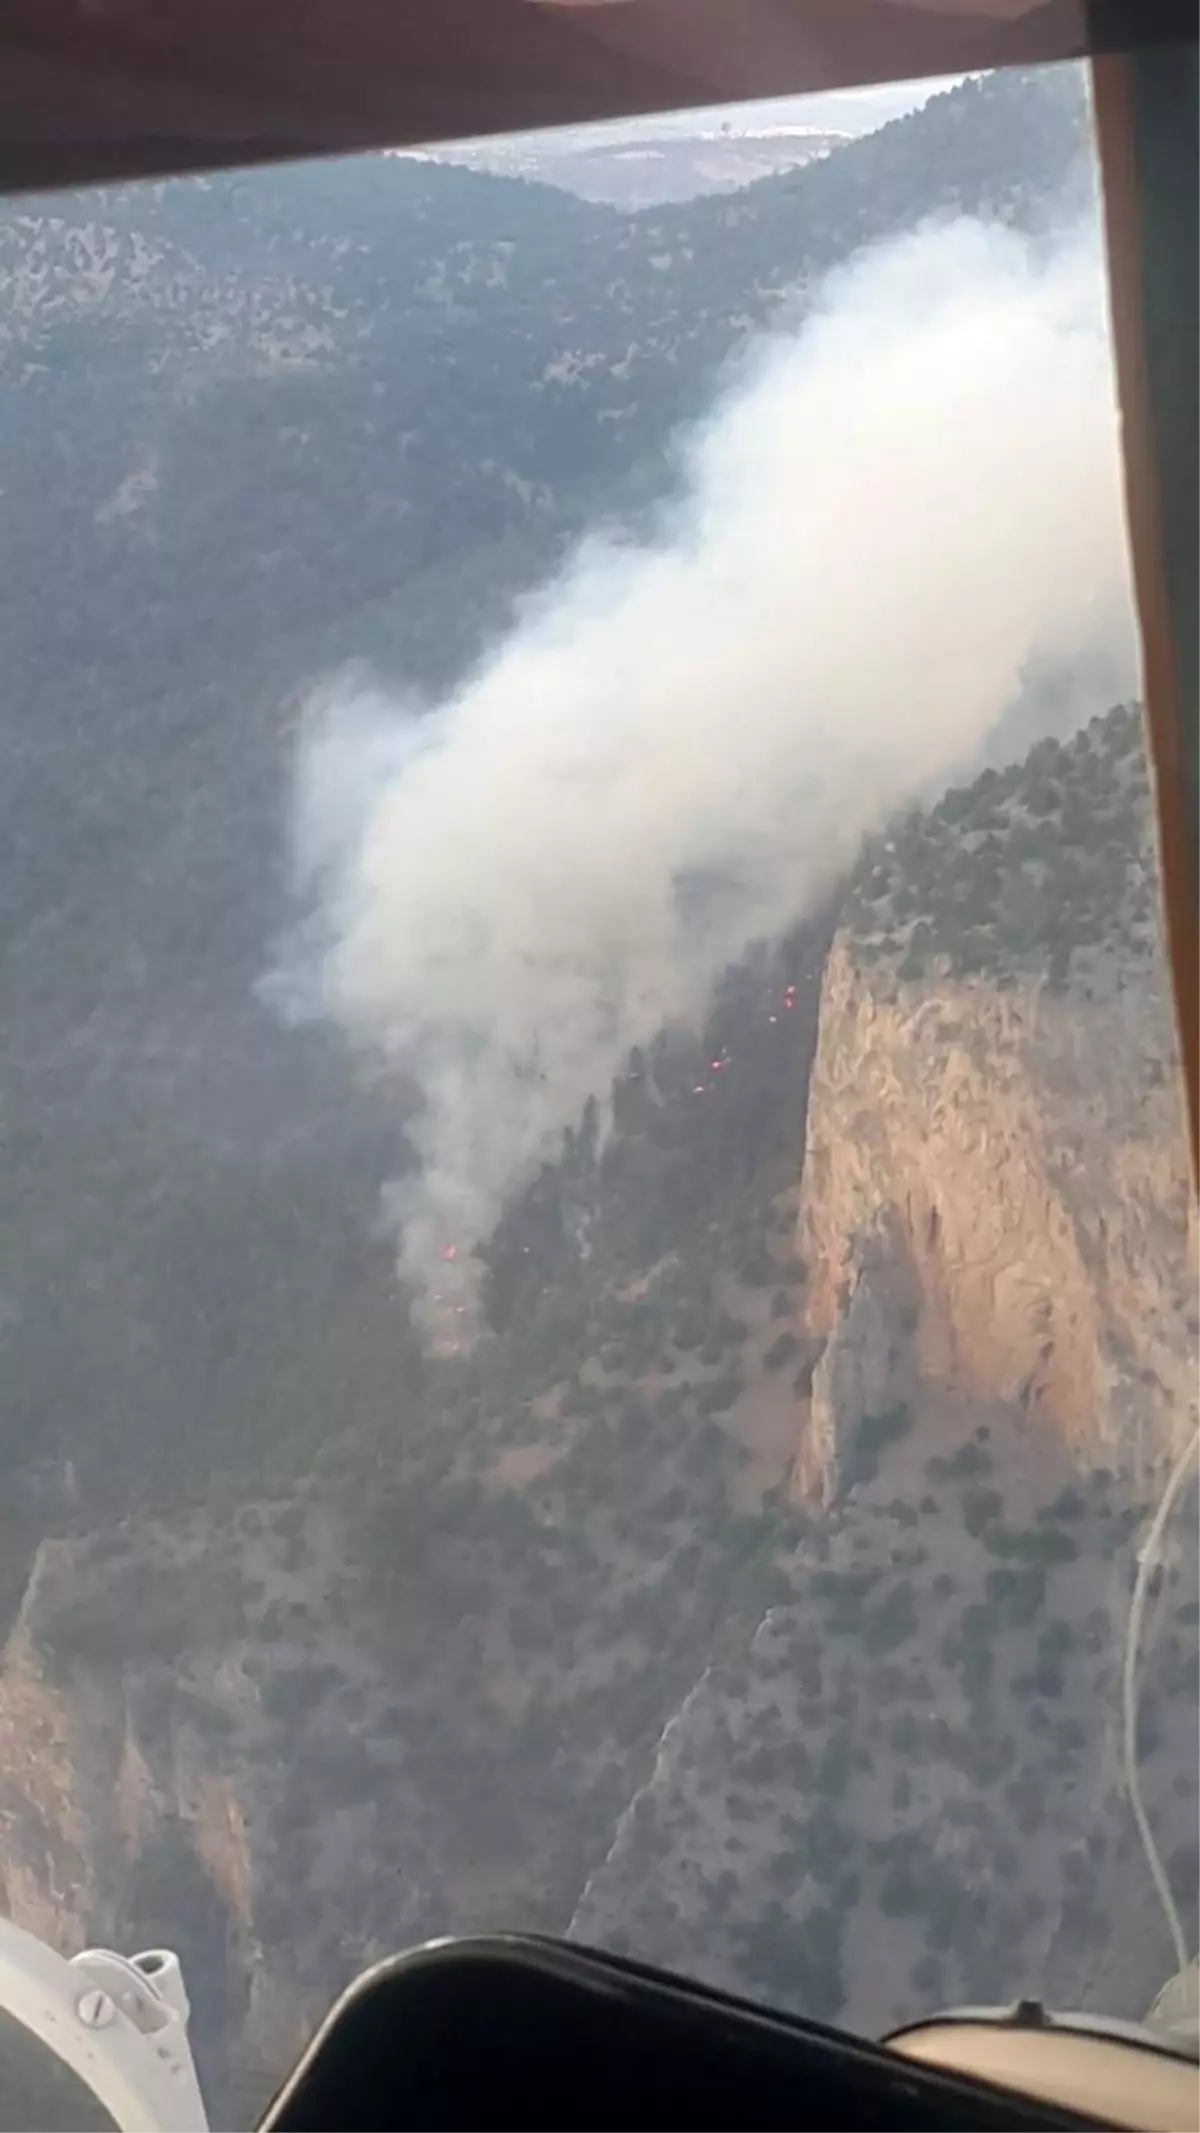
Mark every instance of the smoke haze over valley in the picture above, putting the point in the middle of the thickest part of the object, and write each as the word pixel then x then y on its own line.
pixel 730 708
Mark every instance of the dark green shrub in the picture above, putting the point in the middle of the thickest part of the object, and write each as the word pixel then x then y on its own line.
pixel 781 1351
pixel 720 1394
pixel 1068 1503
pixel 873 1434
pixel 980 1508
pixel 758 1270
pixel 1040 1545
pixel 892 1621
pixel 968 1462
pixel 1017 1594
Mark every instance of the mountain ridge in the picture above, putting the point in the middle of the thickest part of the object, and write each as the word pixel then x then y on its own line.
pixel 324 1646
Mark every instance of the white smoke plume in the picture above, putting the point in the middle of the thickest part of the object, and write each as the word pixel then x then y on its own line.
pixel 892 518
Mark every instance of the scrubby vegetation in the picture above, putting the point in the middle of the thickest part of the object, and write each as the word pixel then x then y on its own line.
pixel 484 1632
pixel 1023 871
pixel 872 1434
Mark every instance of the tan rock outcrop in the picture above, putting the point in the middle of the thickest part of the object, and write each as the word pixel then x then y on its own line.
pixel 996 1189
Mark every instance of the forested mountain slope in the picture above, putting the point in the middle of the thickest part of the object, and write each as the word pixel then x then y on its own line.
pixel 319 1645
pixel 906 1786
pixel 746 1601
pixel 252 425
pixel 381 368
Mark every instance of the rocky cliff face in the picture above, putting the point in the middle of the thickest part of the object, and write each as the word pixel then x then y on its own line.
pixel 907 1786
pixel 996 1195
pixel 753 1599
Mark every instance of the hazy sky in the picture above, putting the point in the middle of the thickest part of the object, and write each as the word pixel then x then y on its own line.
pixel 841 110
pixel 834 110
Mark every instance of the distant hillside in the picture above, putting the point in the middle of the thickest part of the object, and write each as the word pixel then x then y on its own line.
pixel 405 385
pixel 653 168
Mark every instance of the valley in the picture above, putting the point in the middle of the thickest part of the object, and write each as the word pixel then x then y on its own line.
pixel 750 1594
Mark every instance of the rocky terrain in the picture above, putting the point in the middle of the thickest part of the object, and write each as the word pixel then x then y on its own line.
pixel 994 993
pixel 421 1687
pixel 751 1595
pixel 998 1331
